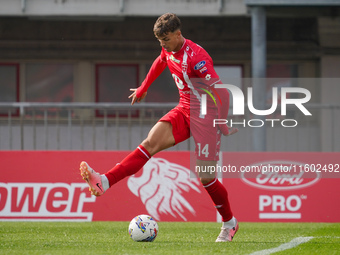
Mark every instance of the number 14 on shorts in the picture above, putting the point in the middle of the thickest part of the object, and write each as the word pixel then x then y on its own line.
pixel 203 150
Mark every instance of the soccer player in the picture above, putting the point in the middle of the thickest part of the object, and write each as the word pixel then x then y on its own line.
pixel 194 74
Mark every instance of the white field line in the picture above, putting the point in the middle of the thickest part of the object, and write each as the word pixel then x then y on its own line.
pixel 295 242
pixel 327 237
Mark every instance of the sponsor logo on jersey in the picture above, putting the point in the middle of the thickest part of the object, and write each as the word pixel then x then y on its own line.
pixel 199 65
pixel 203 70
pixel 172 58
pixel 208 77
pixel 184 67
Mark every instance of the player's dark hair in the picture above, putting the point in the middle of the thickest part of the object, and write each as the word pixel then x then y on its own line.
pixel 167 23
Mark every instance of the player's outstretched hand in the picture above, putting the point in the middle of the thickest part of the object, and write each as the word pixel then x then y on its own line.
pixel 135 98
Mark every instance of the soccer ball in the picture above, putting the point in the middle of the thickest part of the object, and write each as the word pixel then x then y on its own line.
pixel 143 228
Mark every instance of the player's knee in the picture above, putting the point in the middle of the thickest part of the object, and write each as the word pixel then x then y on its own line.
pixel 148 145
pixel 205 180
pixel 151 146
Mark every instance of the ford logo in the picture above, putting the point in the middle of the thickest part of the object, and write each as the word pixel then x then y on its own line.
pixel 199 65
pixel 279 175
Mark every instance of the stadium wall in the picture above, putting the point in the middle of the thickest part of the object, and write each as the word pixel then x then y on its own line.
pixel 305 41
pixel 291 187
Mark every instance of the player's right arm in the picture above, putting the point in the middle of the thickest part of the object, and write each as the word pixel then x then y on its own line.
pixel 156 69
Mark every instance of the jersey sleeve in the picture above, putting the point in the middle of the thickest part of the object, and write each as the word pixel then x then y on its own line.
pixel 156 69
pixel 203 68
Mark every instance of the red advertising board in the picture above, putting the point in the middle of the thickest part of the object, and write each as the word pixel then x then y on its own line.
pixel 304 188
pixel 46 185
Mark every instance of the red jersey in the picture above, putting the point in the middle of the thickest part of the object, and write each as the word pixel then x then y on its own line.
pixel 191 68
pixel 194 74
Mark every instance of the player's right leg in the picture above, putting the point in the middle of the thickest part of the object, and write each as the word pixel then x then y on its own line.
pixel 98 183
pixel 160 137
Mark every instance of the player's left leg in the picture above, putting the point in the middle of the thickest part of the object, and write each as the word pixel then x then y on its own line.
pixel 219 195
pixel 215 189
pixel 208 141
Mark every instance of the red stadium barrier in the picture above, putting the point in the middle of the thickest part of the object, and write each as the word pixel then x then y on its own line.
pixel 304 187
pixel 46 185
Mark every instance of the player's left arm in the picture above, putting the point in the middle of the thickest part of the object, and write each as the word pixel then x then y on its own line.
pixel 204 69
pixel 223 110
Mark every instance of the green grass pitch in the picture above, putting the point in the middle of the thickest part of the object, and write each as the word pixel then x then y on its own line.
pixel 174 238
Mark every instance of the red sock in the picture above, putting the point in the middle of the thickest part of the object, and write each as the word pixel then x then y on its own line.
pixel 129 165
pixel 219 196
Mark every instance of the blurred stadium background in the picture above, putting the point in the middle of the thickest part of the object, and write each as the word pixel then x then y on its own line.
pixel 66 67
